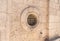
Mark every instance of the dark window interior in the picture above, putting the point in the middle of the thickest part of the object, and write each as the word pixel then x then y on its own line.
pixel 31 20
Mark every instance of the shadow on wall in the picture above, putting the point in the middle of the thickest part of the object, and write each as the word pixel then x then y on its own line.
pixel 54 38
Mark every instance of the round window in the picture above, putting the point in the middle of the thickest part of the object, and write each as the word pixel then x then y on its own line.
pixel 32 20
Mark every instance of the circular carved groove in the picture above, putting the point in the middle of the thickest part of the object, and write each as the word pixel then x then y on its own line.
pixel 30 18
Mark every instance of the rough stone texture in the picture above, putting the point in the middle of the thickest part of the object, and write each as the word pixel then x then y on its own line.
pixel 54 18
pixel 10 20
pixel 17 31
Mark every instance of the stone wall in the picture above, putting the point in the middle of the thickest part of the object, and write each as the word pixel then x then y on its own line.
pixel 54 18
pixel 10 22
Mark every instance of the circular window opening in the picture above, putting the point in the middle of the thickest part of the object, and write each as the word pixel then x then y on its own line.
pixel 32 20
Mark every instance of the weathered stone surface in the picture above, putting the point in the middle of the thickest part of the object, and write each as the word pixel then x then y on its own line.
pixel 13 20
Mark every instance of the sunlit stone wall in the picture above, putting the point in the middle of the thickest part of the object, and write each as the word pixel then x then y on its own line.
pixel 54 18
pixel 10 19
